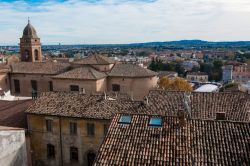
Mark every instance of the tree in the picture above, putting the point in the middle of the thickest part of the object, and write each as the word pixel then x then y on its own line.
pixel 178 84
pixel 164 83
pixel 156 65
pixel 195 69
pixel 152 65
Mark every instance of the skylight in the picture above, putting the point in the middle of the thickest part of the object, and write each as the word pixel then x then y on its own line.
pixel 155 121
pixel 125 119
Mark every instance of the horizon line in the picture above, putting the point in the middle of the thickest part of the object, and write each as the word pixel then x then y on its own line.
pixel 90 44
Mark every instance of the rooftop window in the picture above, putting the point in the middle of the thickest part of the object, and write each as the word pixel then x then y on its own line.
pixel 125 119
pixel 155 121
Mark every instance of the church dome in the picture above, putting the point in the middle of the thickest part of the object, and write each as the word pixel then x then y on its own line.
pixel 29 31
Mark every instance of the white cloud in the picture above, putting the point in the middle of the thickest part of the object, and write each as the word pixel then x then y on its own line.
pixel 108 21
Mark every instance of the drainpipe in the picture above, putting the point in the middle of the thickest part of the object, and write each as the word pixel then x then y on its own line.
pixel 60 128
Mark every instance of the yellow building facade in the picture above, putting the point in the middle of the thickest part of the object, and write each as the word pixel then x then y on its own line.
pixel 68 148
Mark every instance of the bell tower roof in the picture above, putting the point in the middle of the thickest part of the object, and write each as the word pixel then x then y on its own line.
pixel 29 31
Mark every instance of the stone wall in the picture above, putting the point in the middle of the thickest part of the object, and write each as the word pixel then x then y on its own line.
pixel 137 87
pixel 13 148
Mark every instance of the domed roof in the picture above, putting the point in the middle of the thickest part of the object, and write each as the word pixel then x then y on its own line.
pixel 29 31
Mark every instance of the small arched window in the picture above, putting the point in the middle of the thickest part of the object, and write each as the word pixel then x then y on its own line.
pixel 36 55
pixel 26 55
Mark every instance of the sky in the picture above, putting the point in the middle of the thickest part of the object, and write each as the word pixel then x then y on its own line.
pixel 125 21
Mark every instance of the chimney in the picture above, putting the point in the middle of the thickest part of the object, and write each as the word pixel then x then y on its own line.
pixel 82 91
pixel 182 118
pixel 132 96
pixel 105 96
pixel 147 100
pixel 220 116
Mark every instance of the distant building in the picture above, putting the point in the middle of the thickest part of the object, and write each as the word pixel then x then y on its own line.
pixel 197 77
pixel 245 87
pixel 189 65
pixel 207 88
pixel 237 72
pixel 169 74
pixel 12 147
pixel 227 73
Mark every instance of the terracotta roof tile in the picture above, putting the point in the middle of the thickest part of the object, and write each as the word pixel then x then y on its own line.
pixel 95 60
pixel 39 67
pixel 73 104
pixel 12 113
pixel 86 73
pixel 130 70
pixel 203 105
pixel 165 103
pixel 200 142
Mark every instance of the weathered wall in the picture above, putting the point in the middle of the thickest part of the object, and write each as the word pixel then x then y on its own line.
pixel 25 83
pixel 199 78
pixel 135 87
pixel 64 84
pixel 40 138
pixel 4 81
pixel 13 148
pixel 101 85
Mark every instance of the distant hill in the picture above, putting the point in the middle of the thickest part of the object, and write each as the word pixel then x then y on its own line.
pixel 180 44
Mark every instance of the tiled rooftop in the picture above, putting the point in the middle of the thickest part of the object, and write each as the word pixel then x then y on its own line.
pixel 131 70
pixel 199 142
pixel 236 105
pixel 95 60
pixel 165 103
pixel 12 113
pixel 73 104
pixel 86 73
pixel 39 67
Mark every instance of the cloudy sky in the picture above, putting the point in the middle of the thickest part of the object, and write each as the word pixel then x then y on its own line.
pixel 125 21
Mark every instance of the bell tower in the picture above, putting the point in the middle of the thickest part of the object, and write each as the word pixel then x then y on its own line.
pixel 30 46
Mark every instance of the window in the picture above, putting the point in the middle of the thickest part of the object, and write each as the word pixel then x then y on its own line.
pixel 50 86
pixel 49 125
pixel 50 151
pixel 74 88
pixel 125 119
pixel 34 85
pixel 73 154
pixel 17 86
pixel 73 128
pixel 90 129
pixel 34 89
pixel 115 87
pixel 36 55
pixel 105 129
pixel 91 158
pixel 155 121
pixel 26 55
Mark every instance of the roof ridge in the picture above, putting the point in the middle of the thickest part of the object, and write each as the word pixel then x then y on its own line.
pixel 90 69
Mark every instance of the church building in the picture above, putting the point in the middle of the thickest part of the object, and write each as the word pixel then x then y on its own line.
pixel 93 74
